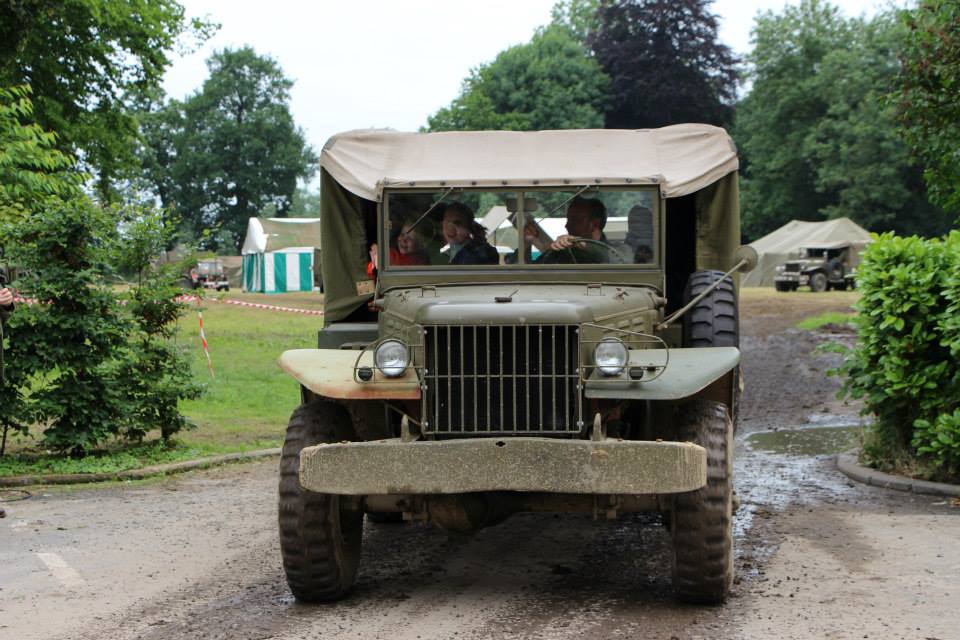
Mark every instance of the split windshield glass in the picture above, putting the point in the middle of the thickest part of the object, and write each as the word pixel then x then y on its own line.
pixel 534 228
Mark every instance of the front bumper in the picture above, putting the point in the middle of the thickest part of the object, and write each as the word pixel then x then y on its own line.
pixel 550 465
pixel 799 278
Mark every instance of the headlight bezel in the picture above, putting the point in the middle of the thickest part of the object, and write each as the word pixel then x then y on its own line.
pixel 388 369
pixel 615 367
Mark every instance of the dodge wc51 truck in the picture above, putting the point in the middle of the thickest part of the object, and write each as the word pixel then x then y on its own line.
pixel 821 267
pixel 489 349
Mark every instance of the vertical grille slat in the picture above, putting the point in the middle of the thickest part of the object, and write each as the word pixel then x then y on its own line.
pixel 502 379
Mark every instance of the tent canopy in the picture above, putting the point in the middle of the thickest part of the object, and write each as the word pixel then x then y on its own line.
pixel 271 234
pixel 681 159
pixel 786 242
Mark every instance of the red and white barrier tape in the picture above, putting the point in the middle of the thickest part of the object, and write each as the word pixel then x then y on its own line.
pixel 255 305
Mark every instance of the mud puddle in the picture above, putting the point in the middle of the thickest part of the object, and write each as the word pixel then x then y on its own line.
pixel 809 441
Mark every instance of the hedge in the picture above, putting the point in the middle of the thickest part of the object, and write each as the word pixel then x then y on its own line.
pixel 905 364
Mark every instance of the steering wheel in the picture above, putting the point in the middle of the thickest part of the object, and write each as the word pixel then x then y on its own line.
pixel 549 256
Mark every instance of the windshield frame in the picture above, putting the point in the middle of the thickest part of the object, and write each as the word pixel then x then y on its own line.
pixel 521 191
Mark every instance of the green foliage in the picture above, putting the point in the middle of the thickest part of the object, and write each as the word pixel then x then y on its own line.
pixel 665 63
pixel 153 374
pixel 80 362
pixel 580 16
pixel 229 151
pixel 61 351
pixel 940 440
pixel 31 168
pixel 549 83
pixel 905 366
pixel 817 136
pixel 90 62
pixel 929 95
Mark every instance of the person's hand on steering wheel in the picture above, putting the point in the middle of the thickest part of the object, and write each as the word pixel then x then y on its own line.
pixel 565 242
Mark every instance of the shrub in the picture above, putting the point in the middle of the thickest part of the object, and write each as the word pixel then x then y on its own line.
pixel 905 364
pixel 85 362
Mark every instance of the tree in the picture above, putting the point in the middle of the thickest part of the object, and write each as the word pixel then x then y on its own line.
pixel 226 153
pixel 860 163
pixel 929 95
pixel 665 63
pixel 816 138
pixel 549 83
pixel 31 168
pixel 89 62
pixel 580 16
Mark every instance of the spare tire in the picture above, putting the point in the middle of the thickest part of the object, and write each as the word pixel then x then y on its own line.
pixel 714 321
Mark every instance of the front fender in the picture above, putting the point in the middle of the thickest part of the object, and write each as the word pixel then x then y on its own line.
pixel 688 372
pixel 329 373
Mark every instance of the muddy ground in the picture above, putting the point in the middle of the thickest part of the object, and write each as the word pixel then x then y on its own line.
pixel 817 555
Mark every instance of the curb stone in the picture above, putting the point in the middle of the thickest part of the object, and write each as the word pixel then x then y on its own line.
pixel 848 466
pixel 136 474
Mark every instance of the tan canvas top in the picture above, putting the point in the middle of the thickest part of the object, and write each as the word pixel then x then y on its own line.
pixel 681 159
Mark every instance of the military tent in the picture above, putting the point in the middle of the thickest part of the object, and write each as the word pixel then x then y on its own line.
pixel 281 255
pixel 786 242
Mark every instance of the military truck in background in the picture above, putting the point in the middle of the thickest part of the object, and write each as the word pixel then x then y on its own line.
pixel 458 382
pixel 209 274
pixel 821 267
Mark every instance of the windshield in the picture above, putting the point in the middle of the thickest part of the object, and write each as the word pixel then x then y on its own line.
pixel 534 228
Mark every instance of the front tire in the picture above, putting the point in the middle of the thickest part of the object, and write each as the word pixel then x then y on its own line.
pixel 818 282
pixel 320 534
pixel 702 520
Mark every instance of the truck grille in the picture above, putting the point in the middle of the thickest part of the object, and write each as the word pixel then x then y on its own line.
pixel 501 379
pixel 792 266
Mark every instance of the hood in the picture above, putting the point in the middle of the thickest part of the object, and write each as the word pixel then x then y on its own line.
pixel 517 303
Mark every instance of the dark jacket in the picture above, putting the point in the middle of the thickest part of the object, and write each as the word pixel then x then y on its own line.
pixel 476 252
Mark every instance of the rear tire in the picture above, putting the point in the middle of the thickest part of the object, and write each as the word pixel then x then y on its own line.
pixel 701 521
pixel 320 537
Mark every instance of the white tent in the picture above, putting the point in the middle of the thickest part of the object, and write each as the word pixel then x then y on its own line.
pixel 786 242
pixel 279 254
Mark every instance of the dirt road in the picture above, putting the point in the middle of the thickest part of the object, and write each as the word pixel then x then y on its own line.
pixel 817 556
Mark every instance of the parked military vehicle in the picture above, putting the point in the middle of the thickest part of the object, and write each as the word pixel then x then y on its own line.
pixel 209 274
pixel 459 380
pixel 821 267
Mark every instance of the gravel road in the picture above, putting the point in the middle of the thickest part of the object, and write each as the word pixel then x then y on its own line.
pixel 817 556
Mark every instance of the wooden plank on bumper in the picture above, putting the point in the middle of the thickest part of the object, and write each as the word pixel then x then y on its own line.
pixel 503 464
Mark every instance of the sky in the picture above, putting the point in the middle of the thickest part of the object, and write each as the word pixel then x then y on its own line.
pixel 391 63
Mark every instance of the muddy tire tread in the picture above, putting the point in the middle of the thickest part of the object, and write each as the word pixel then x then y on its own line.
pixel 702 520
pixel 319 558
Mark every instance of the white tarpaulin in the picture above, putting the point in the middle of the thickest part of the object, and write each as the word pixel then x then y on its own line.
pixel 786 242
pixel 681 159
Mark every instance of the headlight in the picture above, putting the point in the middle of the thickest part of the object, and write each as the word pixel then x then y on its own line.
pixel 611 356
pixel 392 358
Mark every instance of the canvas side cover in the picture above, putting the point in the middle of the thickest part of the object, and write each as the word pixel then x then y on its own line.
pixel 344 257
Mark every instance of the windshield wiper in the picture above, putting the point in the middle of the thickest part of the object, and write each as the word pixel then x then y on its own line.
pixel 432 207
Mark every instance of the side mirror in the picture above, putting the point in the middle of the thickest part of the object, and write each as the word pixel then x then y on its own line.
pixel 748 256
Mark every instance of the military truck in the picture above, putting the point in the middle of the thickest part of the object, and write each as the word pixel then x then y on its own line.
pixel 822 267
pixel 209 274
pixel 459 381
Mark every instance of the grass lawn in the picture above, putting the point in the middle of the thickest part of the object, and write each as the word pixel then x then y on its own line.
pixel 812 323
pixel 244 407
pixel 248 401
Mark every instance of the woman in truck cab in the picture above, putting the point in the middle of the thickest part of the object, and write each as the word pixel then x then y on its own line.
pixel 465 237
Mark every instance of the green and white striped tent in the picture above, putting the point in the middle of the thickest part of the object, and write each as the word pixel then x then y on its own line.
pixel 279 254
